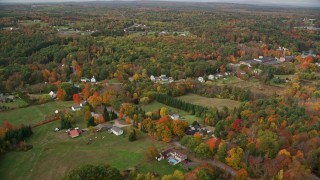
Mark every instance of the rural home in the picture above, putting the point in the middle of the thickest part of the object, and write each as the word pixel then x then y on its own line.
pixel 76 107
pixel 116 130
pixel 174 116
pixel 93 80
pixel 79 106
pixel 174 157
pixel 74 133
pixel 83 79
pixel 52 95
pixel 191 130
pixel 103 127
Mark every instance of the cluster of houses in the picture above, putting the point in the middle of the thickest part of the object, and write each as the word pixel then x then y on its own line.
pixel 267 61
pixel 136 28
pixel 193 129
pixel 173 156
pixel 161 79
pixel 100 127
pixel 92 80
pixel 213 77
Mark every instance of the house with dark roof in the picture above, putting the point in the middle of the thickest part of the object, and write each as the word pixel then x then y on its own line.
pixel 103 127
pixel 261 60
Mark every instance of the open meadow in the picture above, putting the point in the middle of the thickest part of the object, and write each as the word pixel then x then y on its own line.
pixel 55 153
pixel 209 102
pixel 33 114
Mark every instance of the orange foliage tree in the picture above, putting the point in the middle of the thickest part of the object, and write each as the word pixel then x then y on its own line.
pixel 95 100
pixel 242 174
pixel 76 98
pixel 61 94
pixel 212 143
pixel 86 91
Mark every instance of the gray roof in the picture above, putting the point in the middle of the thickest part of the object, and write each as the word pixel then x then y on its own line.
pixel 115 128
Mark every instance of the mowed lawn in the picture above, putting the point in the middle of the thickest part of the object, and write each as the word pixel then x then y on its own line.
pixel 15 104
pixel 209 102
pixel 55 153
pixel 33 114
pixel 155 105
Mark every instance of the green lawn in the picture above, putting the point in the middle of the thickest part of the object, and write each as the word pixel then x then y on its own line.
pixel 54 153
pixel 209 102
pixel 15 104
pixel 33 114
pixel 155 105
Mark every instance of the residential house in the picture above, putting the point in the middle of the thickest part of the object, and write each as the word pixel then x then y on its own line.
pixel 191 130
pixel 93 80
pixel 174 116
pixel 116 130
pixel 83 79
pixel 76 108
pixel 308 53
pixel 174 157
pixel 103 127
pixel 52 95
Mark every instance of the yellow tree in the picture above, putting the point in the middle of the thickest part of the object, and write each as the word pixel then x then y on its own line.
pixel 95 100
pixel 234 157
pixel 179 127
pixel 163 111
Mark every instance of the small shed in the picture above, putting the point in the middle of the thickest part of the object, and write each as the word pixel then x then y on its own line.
pixel 74 133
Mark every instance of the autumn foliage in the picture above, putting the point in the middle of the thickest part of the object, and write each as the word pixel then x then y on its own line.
pixel 76 98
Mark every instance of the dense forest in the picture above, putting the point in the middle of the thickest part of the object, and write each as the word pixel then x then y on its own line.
pixel 273 134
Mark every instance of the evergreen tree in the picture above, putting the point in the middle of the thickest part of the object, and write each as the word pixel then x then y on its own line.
pixel 90 122
pixel 132 135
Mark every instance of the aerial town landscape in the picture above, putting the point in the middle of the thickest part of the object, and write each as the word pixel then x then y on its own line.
pixel 159 90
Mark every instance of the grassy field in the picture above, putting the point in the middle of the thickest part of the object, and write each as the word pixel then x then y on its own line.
pixel 33 114
pixel 209 102
pixel 15 104
pixel 54 153
pixel 155 105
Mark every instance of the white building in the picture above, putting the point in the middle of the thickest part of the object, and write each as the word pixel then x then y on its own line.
pixel 116 130
pixel 200 79
pixel 93 80
pixel 52 95
pixel 152 78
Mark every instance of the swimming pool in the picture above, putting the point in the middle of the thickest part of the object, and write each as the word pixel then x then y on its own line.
pixel 172 161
